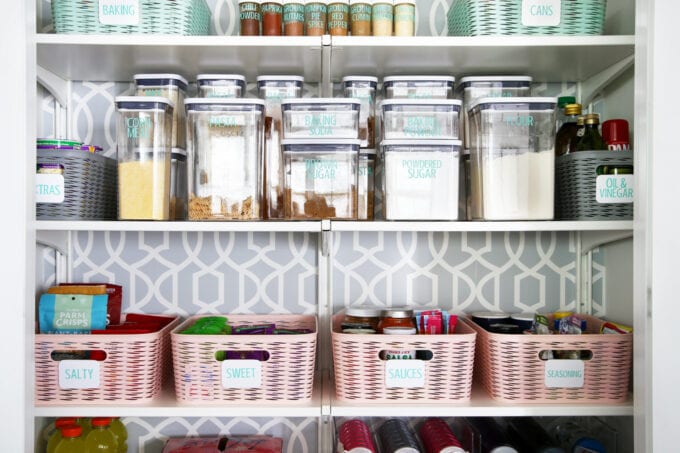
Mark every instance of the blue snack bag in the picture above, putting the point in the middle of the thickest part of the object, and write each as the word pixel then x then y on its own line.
pixel 72 313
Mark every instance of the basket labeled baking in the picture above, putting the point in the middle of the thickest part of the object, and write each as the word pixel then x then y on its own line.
pixel 102 369
pixel 75 185
pixel 218 369
pixel 526 17
pixel 444 376
pixel 595 185
pixel 515 368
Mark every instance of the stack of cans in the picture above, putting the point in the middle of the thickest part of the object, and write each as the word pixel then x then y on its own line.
pixel 355 437
pixel 438 437
pixel 396 436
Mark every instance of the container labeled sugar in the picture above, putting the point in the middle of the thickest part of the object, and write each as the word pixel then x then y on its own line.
pixel 421 179
pixel 170 86
pixel 144 132
pixel 512 161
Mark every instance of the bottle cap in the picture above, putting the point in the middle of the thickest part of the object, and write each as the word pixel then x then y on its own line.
pixel 101 421
pixel 563 101
pixel 63 422
pixel 572 109
pixel 71 431
pixel 593 118
pixel 615 131
pixel 581 120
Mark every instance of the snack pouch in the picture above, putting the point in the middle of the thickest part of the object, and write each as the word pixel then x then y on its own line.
pixel 72 313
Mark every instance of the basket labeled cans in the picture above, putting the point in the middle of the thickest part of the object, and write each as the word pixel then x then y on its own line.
pixel 102 368
pixel 245 359
pixel 402 367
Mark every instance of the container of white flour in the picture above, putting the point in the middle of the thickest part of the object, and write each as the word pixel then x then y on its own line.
pixel 512 161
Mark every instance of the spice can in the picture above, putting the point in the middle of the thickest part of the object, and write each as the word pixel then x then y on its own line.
pixel 363 88
pixel 221 85
pixel 170 86
pixel 272 17
pixel 250 17
pixel 316 13
pixel 338 17
pixel 294 17
pixel 360 12
pixel 404 17
pixel 382 17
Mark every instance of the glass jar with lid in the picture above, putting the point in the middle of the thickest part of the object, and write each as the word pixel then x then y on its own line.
pixel 396 317
pixel 369 316
pixel 170 86
pixel 221 85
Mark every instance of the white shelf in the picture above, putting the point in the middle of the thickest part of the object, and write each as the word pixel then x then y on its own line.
pixel 616 225
pixel 263 226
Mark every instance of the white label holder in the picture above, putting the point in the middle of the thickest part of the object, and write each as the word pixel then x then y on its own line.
pixel 79 374
pixel 49 188
pixel 241 374
pixel 404 374
pixel 614 188
pixel 119 12
pixel 564 374
pixel 541 13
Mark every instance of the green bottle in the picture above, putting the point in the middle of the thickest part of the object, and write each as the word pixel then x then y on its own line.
pixel 120 432
pixel 56 436
pixel 71 441
pixel 591 140
pixel 101 439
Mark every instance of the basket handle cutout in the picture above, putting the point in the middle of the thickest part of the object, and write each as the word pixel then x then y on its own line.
pixel 96 354
pixel 406 354
pixel 573 354
pixel 259 355
pixel 614 169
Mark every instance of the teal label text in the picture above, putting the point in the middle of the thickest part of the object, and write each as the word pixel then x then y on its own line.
pixel 382 12
pixel 404 13
pixel 119 10
pixel 421 126
pixel 224 121
pixel 321 169
pixel 405 373
pixel 361 12
pixel 519 121
pixel 564 373
pixel 138 127
pixel 294 12
pixel 272 8
pixel 69 315
pixel 320 125
pixel 250 11
pixel 365 170
pixel 541 10
pixel 421 168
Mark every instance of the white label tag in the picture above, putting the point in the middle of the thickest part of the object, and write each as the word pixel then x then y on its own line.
pixel 614 189
pixel 404 374
pixel 119 12
pixel 49 188
pixel 79 374
pixel 241 374
pixel 541 13
pixel 564 373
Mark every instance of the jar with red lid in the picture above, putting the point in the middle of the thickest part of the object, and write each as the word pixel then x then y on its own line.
pixel 396 317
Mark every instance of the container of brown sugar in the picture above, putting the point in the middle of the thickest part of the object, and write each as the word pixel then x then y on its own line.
pixel 294 17
pixel 226 142
pixel 321 178
pixel 363 88
pixel 360 12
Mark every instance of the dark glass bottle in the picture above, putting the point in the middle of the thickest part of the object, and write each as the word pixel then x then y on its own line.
pixel 567 133
pixel 591 140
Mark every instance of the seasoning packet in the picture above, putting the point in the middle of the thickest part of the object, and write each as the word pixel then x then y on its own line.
pixel 72 313
pixel 614 328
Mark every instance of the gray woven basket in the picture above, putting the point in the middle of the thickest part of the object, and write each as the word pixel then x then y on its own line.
pixel 576 178
pixel 90 186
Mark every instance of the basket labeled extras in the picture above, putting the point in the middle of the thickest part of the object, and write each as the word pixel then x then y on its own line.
pixel 526 17
pixel 75 185
pixel 443 375
pixel 177 17
pixel 595 185
pixel 102 369
pixel 511 367
pixel 218 369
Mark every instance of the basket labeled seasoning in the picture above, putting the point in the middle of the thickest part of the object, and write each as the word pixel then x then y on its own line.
pixel 361 375
pixel 226 144
pixel 364 89
pixel 221 85
pixel 511 367
pixel 170 86
pixel 321 178
pixel 472 88
pixel 512 161
pixel 144 131
pixel 252 364
pixel 366 187
pixel 274 89
pixel 421 179
pixel 418 87
pixel 321 118
pixel 420 118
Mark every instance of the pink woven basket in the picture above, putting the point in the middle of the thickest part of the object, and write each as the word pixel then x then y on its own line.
pixel 360 372
pixel 511 370
pixel 132 372
pixel 286 376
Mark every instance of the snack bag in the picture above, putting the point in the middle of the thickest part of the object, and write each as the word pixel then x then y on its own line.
pixel 72 313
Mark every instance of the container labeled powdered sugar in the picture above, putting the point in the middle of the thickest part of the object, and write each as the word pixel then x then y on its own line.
pixel 512 160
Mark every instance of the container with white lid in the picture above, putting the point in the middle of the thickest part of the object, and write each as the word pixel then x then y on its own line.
pixel 173 87
pixel 226 143
pixel 321 178
pixel 512 160
pixel 144 132
pixel 421 179
pixel 321 118
pixel 221 85
pixel 420 118
pixel 363 88
pixel 418 87
pixel 471 88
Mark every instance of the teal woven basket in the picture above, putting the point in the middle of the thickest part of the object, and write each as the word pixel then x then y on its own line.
pixel 169 17
pixel 504 17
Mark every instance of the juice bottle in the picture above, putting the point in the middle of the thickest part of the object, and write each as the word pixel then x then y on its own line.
pixel 71 441
pixel 56 436
pixel 84 423
pixel 120 432
pixel 101 439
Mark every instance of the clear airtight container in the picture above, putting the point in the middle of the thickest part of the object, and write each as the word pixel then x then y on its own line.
pixel 144 133
pixel 178 184
pixel 321 178
pixel 221 85
pixel 226 142
pixel 273 89
pixel 366 187
pixel 472 88
pixel 421 179
pixel 173 87
pixel 418 87
pixel 420 118
pixel 321 118
pixel 363 88
pixel 512 158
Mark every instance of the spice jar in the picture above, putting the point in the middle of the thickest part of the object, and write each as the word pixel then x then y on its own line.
pixel 170 86
pixel 221 85
pixel 315 17
pixel 178 184
pixel 251 17
pixel 382 17
pixel 360 17
pixel 226 145
pixel 365 190
pixel 144 131
pixel 294 17
pixel 369 316
pixel 272 17
pixel 404 17
pixel 396 317
pixel 363 88
pixel 338 17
